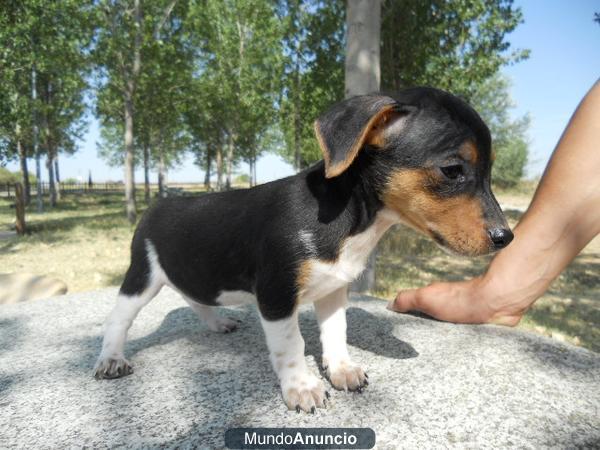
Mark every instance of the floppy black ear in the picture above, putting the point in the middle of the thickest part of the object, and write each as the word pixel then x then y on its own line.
pixel 345 128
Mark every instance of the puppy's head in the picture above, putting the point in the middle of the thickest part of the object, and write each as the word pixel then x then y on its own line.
pixel 429 154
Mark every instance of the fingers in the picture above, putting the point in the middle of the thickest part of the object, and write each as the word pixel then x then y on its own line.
pixel 405 301
pixel 452 302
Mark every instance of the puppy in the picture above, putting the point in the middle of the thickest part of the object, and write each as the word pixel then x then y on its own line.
pixel 421 157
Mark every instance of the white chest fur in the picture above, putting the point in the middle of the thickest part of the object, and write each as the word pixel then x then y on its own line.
pixel 323 277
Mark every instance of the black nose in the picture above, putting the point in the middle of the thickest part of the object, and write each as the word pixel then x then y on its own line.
pixel 501 237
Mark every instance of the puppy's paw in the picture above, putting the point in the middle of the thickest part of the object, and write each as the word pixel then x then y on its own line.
pixel 304 391
pixel 346 376
pixel 109 368
pixel 223 324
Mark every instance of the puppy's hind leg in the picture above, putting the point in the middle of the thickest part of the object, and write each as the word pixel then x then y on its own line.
pixel 214 321
pixel 142 282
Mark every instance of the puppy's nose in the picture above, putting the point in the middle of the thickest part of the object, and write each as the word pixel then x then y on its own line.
pixel 501 237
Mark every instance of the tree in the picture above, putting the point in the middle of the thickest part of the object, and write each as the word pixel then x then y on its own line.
pixel 239 64
pixel 125 33
pixel 203 123
pixel 202 115
pixel 313 48
pixel 161 96
pixel 450 45
pixel 509 137
pixel 62 68
pixel 16 105
pixel 43 71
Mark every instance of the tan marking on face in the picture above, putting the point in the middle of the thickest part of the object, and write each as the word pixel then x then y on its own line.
pixel 458 220
pixel 279 354
pixel 337 169
pixel 292 364
pixel 468 151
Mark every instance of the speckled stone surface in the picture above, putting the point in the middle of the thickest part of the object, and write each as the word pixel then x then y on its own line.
pixel 432 384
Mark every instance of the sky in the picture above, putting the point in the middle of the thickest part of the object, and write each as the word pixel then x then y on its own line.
pixel 564 63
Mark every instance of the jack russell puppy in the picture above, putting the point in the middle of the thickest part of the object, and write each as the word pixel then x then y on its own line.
pixel 421 157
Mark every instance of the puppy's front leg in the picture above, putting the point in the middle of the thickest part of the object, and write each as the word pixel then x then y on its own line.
pixel 300 388
pixel 331 314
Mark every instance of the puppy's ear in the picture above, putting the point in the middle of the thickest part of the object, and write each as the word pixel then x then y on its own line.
pixel 350 124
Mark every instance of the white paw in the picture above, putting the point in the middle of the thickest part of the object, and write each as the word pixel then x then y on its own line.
pixel 223 324
pixel 111 367
pixel 303 391
pixel 346 376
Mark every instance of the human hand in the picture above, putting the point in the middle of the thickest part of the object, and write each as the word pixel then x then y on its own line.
pixel 471 301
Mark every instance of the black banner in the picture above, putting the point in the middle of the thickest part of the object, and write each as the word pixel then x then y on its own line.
pixel 299 438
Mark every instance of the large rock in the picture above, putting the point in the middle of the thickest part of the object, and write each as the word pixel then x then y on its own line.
pixel 22 287
pixel 432 384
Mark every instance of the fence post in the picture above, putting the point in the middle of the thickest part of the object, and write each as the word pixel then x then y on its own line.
pixel 20 208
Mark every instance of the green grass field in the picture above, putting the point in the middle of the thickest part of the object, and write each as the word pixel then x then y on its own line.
pixel 85 242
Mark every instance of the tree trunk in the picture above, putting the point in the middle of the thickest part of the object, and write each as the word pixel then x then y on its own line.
pixel 146 174
pixel 363 24
pixel 57 178
pixel 161 175
pixel 36 147
pixel 130 85
pixel 39 188
pixel 20 209
pixel 207 170
pixel 130 206
pixel 254 180
pixel 251 172
pixel 297 118
pixel 24 171
pixel 52 185
pixel 219 162
pixel 229 162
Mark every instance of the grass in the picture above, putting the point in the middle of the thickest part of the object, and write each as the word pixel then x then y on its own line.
pixel 85 242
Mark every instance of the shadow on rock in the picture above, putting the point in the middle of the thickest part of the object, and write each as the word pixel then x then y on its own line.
pixel 366 331
pixel 11 333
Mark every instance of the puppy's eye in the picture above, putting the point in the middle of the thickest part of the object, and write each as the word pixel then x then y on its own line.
pixel 452 172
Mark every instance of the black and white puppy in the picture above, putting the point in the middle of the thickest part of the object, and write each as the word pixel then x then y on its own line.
pixel 421 157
